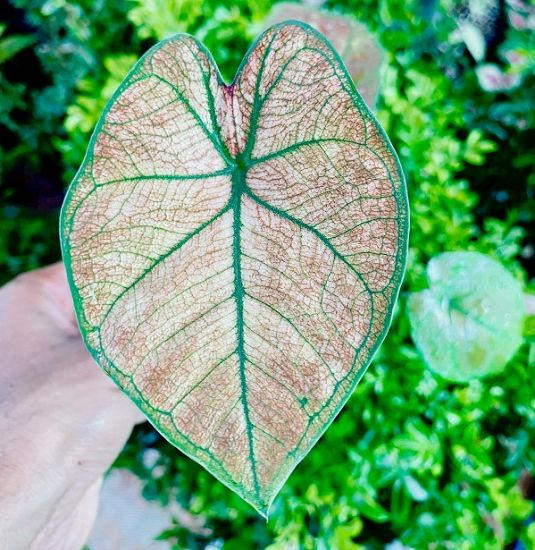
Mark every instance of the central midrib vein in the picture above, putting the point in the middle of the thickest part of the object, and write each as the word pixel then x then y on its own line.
pixel 242 162
pixel 238 184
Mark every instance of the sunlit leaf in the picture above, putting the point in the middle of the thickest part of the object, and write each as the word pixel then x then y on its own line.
pixel 358 48
pixel 235 252
pixel 468 324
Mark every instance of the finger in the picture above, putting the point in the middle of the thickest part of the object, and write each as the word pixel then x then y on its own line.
pixel 57 296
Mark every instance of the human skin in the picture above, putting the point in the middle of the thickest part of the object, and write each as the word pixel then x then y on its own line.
pixel 62 421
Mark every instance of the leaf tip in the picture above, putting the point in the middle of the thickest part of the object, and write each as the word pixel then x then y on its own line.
pixel 261 504
pixel 263 510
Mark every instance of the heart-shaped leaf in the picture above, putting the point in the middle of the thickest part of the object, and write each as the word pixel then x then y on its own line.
pixel 235 252
pixel 468 324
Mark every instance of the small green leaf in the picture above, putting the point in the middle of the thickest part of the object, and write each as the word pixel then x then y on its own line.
pixel 468 324
pixel 344 535
pixel 370 508
pixel 417 492
pixel 12 45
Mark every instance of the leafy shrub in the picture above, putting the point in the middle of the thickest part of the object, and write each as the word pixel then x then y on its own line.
pixel 412 459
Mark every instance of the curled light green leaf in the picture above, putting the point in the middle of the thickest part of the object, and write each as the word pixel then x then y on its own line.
pixel 468 324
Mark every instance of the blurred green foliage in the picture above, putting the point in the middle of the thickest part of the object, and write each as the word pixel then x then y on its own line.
pixel 476 306
pixel 412 461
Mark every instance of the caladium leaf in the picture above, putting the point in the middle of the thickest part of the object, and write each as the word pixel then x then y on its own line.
pixel 468 324
pixel 235 252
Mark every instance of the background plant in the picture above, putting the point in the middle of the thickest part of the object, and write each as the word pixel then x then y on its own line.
pixel 412 460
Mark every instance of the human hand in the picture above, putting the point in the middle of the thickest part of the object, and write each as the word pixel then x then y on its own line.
pixel 62 421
